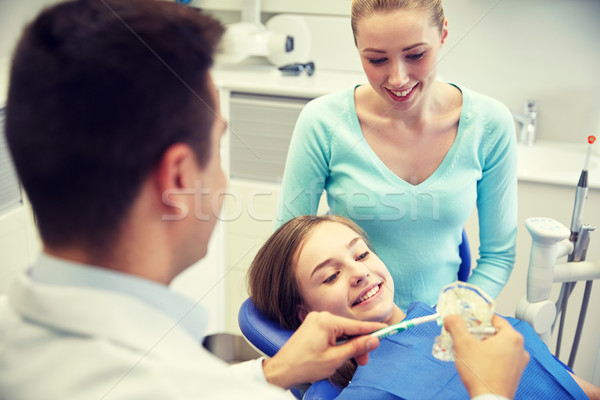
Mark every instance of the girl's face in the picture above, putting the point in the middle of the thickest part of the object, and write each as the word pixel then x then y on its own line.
pixel 399 52
pixel 338 273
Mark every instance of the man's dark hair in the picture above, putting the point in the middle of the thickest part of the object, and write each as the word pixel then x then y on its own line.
pixel 99 89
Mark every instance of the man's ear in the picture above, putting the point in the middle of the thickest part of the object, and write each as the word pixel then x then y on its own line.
pixel 177 168
pixel 174 180
pixel 302 312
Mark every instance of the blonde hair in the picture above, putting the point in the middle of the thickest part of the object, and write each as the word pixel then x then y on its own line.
pixel 366 8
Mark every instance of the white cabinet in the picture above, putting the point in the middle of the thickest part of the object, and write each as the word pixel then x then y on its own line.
pixel 260 129
pixel 251 213
pixel 204 282
pixel 19 243
pixel 261 107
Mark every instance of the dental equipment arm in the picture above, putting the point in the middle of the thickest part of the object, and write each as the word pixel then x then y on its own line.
pixel 580 239
pixel 549 242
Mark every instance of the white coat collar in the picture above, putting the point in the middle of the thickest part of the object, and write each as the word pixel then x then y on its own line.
pixel 116 316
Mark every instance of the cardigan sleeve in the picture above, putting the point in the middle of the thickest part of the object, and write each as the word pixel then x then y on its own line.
pixel 497 203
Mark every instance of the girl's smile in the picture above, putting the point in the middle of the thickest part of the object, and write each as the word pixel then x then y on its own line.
pixel 337 272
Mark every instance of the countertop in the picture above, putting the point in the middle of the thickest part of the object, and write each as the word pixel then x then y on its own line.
pixel 261 78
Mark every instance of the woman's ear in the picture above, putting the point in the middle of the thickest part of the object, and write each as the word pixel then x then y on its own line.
pixel 302 312
pixel 445 30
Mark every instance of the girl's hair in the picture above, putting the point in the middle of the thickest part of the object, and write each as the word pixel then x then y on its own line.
pixel 367 8
pixel 272 282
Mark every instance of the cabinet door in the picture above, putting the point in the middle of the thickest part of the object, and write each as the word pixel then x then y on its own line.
pixel 260 131
pixel 261 128
pixel 18 239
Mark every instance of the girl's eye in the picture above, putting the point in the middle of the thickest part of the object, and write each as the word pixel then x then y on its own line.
pixel 416 57
pixel 377 60
pixel 362 256
pixel 332 278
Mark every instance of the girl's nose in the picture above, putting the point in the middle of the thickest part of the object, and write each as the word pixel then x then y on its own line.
pixel 360 277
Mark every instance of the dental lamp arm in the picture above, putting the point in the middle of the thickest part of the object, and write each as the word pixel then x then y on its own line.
pixel 549 242
pixel 577 271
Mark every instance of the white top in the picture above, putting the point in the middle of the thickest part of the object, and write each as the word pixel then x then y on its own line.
pixel 65 335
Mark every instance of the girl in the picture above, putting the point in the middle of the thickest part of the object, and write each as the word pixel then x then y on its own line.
pixel 327 264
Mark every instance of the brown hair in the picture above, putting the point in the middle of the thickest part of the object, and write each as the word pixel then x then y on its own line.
pixel 366 8
pixel 98 91
pixel 272 282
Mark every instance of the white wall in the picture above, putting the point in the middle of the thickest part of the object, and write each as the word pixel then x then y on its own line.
pixel 511 50
pixel 540 49
pixel 14 14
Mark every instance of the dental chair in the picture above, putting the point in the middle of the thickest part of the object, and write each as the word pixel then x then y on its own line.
pixel 268 336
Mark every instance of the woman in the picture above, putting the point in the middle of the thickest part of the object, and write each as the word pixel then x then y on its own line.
pixel 326 264
pixel 408 158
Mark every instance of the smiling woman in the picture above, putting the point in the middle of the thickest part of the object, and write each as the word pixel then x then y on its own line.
pixel 408 153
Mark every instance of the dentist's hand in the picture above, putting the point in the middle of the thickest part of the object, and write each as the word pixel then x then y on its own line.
pixel 493 365
pixel 311 353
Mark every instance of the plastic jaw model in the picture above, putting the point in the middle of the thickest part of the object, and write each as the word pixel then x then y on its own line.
pixel 474 306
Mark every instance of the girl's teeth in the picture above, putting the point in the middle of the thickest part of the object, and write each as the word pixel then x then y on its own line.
pixel 369 294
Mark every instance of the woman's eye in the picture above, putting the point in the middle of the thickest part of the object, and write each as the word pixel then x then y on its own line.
pixel 362 256
pixel 332 278
pixel 377 60
pixel 416 57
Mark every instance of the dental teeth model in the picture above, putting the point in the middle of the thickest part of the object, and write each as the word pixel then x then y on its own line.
pixel 474 306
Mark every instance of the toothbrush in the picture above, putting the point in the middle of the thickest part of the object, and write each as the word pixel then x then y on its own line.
pixel 406 324
pixel 410 323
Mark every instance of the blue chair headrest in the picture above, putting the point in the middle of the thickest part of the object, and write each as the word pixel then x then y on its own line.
pixel 267 335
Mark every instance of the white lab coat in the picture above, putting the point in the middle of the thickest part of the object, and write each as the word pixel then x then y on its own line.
pixel 59 343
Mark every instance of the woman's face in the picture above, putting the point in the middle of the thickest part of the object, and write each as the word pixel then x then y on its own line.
pixel 399 52
pixel 338 273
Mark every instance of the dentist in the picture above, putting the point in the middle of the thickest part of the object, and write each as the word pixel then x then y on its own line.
pixel 112 119
pixel 111 112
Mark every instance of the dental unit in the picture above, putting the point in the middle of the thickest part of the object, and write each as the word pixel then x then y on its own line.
pixel 550 241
